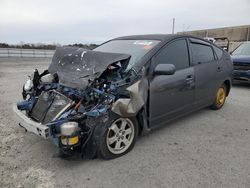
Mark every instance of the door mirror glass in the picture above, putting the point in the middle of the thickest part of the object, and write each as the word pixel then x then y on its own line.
pixel 164 69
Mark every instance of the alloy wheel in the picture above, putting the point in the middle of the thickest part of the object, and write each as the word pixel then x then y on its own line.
pixel 120 135
pixel 221 96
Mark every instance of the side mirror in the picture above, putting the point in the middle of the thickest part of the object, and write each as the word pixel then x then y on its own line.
pixel 164 69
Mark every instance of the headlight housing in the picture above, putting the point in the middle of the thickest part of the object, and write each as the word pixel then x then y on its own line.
pixel 69 128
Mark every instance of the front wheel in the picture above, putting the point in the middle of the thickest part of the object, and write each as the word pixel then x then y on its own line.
pixel 220 97
pixel 117 137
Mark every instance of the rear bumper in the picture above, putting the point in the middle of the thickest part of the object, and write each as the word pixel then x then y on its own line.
pixel 241 75
pixel 30 125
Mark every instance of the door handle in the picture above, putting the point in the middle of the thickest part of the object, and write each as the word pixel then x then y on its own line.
pixel 219 69
pixel 189 82
pixel 189 78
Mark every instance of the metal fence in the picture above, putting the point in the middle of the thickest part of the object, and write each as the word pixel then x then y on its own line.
pixel 19 52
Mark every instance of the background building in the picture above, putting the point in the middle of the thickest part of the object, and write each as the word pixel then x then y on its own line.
pixel 236 34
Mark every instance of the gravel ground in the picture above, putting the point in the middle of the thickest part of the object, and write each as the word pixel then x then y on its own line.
pixel 205 149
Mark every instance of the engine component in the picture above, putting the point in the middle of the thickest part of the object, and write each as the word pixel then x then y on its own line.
pixel 69 128
pixel 49 78
pixel 50 105
pixel 69 140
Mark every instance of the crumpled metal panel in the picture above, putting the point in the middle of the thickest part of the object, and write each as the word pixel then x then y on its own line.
pixel 130 106
pixel 75 66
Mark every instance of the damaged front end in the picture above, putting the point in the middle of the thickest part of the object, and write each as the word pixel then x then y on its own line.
pixel 78 92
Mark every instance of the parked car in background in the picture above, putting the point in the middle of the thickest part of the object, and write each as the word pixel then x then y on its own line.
pixel 241 62
pixel 96 102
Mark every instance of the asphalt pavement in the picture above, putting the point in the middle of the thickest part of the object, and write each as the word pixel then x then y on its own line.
pixel 204 149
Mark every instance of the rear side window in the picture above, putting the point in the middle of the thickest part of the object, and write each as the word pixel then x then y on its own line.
pixel 175 53
pixel 201 53
pixel 218 52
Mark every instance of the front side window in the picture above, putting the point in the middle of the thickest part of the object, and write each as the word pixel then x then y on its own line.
pixel 175 53
pixel 201 53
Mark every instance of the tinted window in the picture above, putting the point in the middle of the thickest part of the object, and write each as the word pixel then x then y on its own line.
pixel 201 53
pixel 218 52
pixel 175 53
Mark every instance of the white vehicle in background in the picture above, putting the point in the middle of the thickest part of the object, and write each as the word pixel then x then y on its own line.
pixel 222 42
pixel 210 39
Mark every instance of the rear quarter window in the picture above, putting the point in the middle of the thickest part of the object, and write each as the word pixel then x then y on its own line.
pixel 201 53
pixel 218 52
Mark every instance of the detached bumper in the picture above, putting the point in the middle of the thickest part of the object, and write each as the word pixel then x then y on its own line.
pixel 30 125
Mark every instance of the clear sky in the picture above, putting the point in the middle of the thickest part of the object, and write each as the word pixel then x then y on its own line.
pixel 94 21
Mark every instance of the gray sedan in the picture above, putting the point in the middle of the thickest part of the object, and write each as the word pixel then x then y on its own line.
pixel 97 102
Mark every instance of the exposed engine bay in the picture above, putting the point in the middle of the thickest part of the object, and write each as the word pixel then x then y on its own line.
pixel 78 91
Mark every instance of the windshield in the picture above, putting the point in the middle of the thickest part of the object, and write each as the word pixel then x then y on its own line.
pixel 136 48
pixel 243 49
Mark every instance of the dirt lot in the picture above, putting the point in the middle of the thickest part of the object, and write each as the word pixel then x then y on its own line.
pixel 205 149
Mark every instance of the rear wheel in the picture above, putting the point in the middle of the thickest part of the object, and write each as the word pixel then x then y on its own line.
pixel 117 138
pixel 220 98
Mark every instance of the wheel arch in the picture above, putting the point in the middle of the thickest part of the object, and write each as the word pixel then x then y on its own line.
pixel 227 83
pixel 142 119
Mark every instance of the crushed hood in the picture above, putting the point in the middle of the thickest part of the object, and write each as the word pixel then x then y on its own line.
pixel 76 66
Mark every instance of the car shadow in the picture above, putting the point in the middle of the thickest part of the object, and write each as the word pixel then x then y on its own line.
pixel 151 134
pixel 176 122
pixel 238 84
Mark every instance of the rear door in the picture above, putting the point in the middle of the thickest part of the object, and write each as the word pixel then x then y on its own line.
pixel 206 70
pixel 171 95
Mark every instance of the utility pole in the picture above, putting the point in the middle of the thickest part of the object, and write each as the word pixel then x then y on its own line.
pixel 173 25
pixel 248 29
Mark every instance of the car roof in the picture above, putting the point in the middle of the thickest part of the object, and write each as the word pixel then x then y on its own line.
pixel 161 37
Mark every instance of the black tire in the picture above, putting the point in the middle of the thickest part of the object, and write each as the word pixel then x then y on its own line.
pixel 101 136
pixel 216 105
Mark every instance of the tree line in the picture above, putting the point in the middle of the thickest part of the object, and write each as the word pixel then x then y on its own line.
pixel 46 46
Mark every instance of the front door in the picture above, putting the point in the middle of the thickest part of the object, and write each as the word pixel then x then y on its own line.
pixel 171 95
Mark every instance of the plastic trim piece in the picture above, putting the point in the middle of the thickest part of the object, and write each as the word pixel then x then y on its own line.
pixel 30 125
